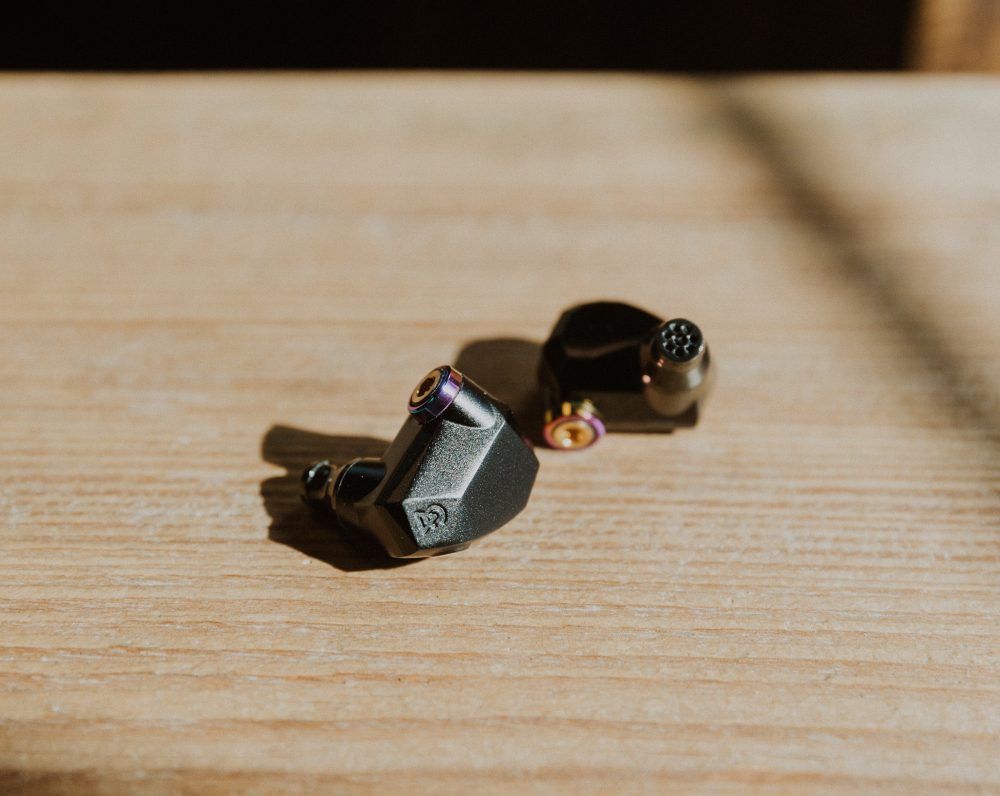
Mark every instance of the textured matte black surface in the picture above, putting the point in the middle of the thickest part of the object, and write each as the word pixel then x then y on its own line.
pixel 440 485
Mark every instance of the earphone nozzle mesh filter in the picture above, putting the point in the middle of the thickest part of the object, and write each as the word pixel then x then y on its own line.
pixel 680 340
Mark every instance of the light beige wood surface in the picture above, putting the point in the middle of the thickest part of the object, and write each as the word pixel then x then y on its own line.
pixel 209 281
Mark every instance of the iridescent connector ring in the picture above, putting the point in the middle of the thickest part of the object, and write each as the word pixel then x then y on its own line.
pixel 434 393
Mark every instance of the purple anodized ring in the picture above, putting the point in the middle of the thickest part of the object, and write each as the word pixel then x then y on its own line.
pixel 435 393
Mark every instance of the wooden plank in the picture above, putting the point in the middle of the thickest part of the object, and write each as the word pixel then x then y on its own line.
pixel 208 280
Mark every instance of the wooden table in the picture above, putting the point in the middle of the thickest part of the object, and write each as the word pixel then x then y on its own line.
pixel 209 281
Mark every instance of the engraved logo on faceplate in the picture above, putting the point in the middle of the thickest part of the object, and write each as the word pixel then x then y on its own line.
pixel 431 518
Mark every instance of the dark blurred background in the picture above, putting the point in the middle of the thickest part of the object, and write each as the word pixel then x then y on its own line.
pixel 698 36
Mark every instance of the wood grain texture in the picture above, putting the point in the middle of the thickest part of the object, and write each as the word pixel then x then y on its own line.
pixel 209 281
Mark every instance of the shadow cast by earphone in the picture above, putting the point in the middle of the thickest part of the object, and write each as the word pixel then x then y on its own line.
pixel 507 368
pixel 293 523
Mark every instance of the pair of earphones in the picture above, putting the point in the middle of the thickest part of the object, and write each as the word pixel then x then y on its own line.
pixel 459 468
